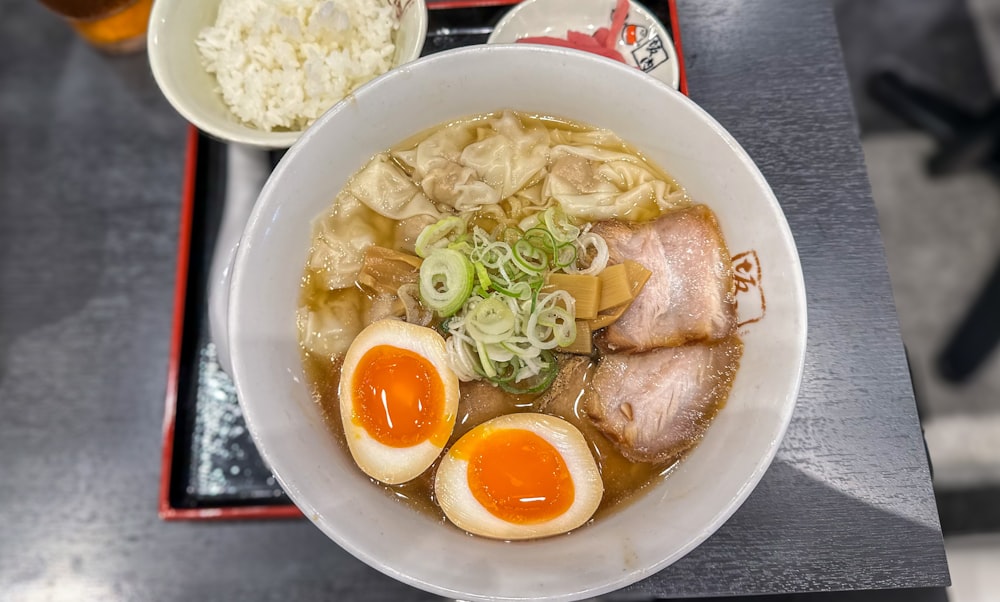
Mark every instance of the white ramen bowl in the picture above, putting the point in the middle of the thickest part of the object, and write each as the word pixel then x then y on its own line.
pixel 622 547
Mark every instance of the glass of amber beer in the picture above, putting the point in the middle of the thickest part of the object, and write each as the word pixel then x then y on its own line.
pixel 116 26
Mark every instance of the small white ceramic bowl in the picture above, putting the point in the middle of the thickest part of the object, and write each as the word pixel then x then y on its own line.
pixel 646 46
pixel 672 516
pixel 176 64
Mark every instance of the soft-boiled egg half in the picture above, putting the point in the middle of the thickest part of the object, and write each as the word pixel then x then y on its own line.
pixel 519 476
pixel 398 399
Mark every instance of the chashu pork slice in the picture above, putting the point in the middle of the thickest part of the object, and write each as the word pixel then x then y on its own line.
pixel 690 295
pixel 656 405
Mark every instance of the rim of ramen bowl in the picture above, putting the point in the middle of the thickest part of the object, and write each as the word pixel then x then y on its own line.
pixel 268 202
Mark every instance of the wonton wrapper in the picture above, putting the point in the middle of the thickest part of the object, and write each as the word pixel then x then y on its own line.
pixel 446 143
pixel 385 189
pixel 329 329
pixel 452 184
pixel 512 158
pixel 407 230
pixel 473 166
pixel 605 139
pixel 340 238
pixel 595 184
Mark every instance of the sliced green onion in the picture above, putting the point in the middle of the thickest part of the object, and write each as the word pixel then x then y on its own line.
pixel 461 360
pixel 601 254
pixel 461 245
pixel 565 255
pixel 521 348
pixel 506 374
pixel 491 321
pixel 529 222
pixel 484 360
pixel 540 382
pixel 484 277
pixel 446 279
pixel 561 323
pixel 439 234
pixel 510 235
pixel 523 290
pixel 487 285
pixel 541 239
pixel 558 224
pixel 529 258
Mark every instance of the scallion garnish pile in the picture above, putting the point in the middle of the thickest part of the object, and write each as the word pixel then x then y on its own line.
pixel 501 320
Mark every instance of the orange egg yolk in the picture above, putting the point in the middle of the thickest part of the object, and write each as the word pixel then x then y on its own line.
pixel 519 477
pixel 399 398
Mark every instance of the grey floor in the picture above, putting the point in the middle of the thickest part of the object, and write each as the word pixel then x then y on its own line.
pixel 942 236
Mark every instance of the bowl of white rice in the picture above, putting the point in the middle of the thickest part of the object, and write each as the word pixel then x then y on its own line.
pixel 259 72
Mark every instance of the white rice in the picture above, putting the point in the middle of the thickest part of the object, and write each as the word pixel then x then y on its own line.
pixel 283 63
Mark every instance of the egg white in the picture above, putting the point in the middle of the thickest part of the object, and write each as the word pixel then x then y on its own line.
pixel 393 465
pixel 451 484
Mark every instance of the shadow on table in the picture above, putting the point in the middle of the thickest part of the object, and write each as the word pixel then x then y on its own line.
pixel 796 534
pixel 40 292
pixel 923 594
pixel 43 215
pixel 58 227
pixel 133 73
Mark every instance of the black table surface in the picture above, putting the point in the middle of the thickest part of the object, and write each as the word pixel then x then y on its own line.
pixel 91 161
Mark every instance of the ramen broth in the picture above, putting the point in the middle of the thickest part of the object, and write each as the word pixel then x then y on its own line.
pixel 622 478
